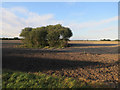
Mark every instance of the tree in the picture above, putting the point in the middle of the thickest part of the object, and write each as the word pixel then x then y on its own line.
pixel 117 40
pixel 65 33
pixel 105 40
pixel 16 38
pixel 25 31
pixel 26 34
pixel 51 35
pixel 40 35
pixel 53 38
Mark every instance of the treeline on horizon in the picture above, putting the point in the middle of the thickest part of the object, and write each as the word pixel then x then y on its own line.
pixel 17 38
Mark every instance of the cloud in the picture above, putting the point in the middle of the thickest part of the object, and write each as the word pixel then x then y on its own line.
pixel 12 23
pixel 19 10
pixel 90 24
pixel 95 29
pixel 17 18
pixel 108 29
pixel 109 20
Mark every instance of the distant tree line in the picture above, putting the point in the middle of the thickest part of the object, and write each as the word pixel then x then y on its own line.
pixel 105 40
pixel 109 40
pixel 117 40
pixel 51 35
pixel 15 38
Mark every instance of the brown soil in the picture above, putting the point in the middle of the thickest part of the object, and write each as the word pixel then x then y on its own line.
pixel 90 61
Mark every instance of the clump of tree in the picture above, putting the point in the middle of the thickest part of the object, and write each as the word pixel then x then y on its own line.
pixel 51 35
pixel 117 40
pixel 15 38
pixel 105 40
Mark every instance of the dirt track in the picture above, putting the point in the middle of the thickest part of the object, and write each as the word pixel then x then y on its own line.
pixel 93 61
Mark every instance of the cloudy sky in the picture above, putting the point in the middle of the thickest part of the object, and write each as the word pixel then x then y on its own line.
pixel 87 20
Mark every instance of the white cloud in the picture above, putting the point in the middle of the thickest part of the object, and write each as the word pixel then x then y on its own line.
pixel 91 24
pixel 95 29
pixel 108 29
pixel 20 10
pixel 109 20
pixel 12 24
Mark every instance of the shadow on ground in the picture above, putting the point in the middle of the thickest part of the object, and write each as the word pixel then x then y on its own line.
pixel 31 64
pixel 80 45
pixel 101 50
pixel 26 64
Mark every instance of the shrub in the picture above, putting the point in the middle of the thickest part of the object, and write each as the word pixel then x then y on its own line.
pixel 51 35
pixel 15 79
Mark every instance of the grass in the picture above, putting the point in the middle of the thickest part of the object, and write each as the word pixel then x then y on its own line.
pixel 12 79
pixel 40 47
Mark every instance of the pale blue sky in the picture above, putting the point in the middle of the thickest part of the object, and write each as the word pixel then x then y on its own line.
pixel 87 20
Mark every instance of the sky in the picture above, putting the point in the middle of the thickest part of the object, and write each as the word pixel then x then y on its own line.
pixel 87 20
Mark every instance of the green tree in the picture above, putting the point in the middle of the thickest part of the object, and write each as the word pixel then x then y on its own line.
pixel 25 31
pixel 53 38
pixel 52 35
pixel 40 35
pixel 65 33
pixel 26 34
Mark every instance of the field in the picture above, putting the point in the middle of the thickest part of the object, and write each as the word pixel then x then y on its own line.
pixel 94 62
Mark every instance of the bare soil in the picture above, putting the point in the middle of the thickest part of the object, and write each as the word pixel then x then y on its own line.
pixel 91 61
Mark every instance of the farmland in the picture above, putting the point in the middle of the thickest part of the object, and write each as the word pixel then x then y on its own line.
pixel 94 62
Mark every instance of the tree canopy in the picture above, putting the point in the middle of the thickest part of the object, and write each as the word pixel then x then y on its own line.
pixel 51 35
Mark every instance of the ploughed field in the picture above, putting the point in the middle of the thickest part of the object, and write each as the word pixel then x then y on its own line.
pixel 91 61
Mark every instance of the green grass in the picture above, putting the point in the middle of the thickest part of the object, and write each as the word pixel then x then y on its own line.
pixel 36 47
pixel 12 79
